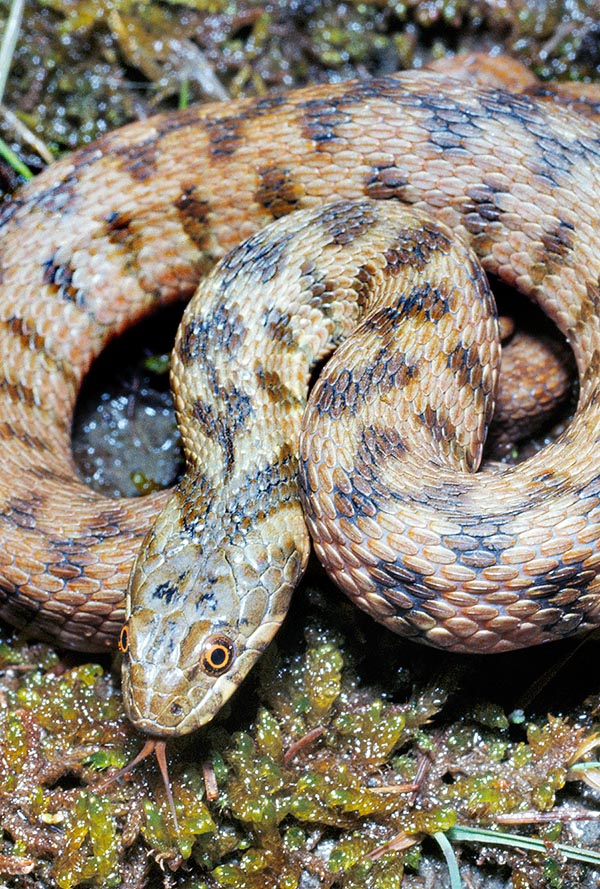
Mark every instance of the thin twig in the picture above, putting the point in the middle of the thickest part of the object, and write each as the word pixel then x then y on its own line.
pixel 534 817
pixel 25 134
pixel 9 41
pixel 302 742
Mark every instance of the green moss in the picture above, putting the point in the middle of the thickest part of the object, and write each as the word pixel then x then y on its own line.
pixel 322 752
pixel 322 682
pixel 90 849
pixel 144 485
pixel 85 51
pixel 158 364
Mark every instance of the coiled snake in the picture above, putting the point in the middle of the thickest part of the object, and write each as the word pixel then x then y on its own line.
pixel 467 561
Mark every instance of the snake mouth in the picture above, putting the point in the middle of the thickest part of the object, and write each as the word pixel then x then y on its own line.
pixel 159 716
pixel 170 722
pixel 169 714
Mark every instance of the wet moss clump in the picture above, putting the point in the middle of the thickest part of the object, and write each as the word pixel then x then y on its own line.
pixel 318 772
pixel 83 67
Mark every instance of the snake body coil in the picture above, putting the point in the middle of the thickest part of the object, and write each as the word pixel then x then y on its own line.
pixel 470 563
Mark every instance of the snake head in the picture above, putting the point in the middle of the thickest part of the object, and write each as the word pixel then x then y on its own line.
pixel 201 609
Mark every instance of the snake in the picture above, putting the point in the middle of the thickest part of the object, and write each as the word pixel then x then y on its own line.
pixel 300 225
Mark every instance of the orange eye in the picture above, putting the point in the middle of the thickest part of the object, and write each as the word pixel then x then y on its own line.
pixel 124 639
pixel 217 655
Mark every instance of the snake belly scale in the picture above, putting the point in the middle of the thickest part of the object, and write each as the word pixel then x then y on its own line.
pixel 134 221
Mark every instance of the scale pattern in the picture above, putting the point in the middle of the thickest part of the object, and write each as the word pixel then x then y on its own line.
pixel 137 219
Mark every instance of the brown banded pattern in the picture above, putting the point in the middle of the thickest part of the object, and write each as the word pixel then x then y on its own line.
pixel 135 220
pixel 237 564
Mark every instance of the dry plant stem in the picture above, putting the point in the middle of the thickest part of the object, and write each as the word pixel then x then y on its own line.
pixel 9 41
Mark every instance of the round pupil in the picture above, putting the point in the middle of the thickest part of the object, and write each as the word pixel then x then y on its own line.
pixel 219 655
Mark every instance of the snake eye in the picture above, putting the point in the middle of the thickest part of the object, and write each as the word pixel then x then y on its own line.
pixel 124 639
pixel 217 655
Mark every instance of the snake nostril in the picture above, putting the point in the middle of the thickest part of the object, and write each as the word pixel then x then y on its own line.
pixel 176 709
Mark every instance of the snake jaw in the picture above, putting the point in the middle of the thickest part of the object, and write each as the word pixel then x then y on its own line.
pixel 171 714
pixel 168 694
pixel 178 701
